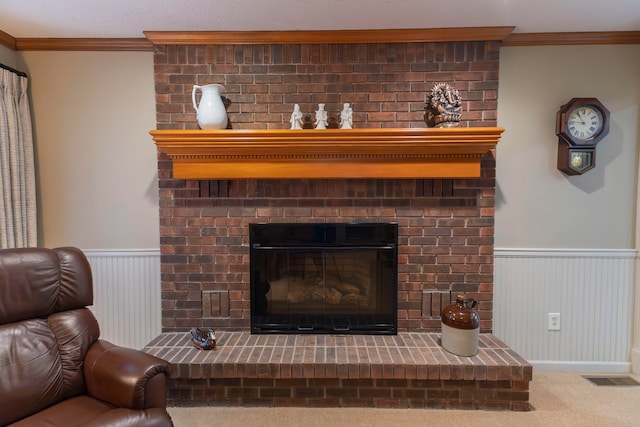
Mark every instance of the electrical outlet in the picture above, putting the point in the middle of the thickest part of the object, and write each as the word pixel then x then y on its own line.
pixel 554 321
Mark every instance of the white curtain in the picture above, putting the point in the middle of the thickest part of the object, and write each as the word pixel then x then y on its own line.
pixel 18 223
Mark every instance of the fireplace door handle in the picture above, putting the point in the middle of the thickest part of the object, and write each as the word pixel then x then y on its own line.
pixel 341 328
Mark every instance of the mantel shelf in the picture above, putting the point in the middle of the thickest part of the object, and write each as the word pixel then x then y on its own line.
pixel 324 154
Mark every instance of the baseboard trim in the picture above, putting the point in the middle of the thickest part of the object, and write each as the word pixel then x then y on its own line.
pixel 122 252
pixel 635 361
pixel 565 253
pixel 565 366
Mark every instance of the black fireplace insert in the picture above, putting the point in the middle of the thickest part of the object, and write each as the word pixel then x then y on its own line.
pixel 324 278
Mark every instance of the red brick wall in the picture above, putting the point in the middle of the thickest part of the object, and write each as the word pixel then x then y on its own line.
pixel 446 226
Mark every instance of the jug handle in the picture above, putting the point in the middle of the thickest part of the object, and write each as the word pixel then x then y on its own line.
pixel 193 96
pixel 474 303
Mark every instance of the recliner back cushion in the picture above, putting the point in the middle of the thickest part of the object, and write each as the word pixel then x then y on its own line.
pixel 36 282
pixel 45 328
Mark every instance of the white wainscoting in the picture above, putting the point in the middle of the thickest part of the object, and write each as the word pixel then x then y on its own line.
pixel 592 290
pixel 126 288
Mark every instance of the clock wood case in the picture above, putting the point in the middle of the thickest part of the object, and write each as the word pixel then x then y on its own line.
pixel 580 124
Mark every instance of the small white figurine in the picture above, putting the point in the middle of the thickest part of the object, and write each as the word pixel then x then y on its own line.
pixel 321 117
pixel 296 118
pixel 346 117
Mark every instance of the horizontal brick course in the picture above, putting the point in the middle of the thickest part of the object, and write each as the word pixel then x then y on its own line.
pixel 408 370
pixel 308 74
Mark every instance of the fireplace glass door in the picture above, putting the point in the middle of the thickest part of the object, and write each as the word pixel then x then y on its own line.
pixel 324 278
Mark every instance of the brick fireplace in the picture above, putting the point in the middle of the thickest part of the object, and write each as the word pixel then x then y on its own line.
pixel 445 225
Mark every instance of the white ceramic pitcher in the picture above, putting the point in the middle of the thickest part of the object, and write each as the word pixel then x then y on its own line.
pixel 210 113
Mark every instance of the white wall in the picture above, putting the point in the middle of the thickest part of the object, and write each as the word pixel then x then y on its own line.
pixel 96 161
pixel 537 205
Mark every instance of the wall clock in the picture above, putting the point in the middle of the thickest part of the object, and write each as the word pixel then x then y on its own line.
pixel 580 124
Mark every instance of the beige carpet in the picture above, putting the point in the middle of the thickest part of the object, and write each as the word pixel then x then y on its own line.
pixel 559 399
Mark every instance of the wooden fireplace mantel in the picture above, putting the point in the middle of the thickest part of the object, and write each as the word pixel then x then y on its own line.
pixel 323 154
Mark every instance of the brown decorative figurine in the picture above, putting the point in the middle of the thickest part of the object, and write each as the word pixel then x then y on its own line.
pixel 443 106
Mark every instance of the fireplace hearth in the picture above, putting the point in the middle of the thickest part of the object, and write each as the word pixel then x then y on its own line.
pixel 321 278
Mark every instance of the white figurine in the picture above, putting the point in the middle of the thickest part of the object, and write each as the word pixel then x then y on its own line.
pixel 296 118
pixel 321 117
pixel 346 117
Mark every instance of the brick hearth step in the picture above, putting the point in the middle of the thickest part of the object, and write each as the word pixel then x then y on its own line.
pixel 406 370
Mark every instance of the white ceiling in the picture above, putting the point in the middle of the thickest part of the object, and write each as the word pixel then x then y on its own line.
pixel 129 18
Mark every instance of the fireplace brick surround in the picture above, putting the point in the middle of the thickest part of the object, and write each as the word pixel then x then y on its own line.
pixel 445 225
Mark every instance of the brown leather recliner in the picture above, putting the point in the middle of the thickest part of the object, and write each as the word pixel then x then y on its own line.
pixel 54 369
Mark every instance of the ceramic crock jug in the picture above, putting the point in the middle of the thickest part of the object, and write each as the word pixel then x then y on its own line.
pixel 461 327
pixel 211 113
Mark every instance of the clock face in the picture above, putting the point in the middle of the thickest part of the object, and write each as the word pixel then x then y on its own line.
pixel 584 122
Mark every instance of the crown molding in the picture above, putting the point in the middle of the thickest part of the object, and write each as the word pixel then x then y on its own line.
pixel 7 40
pixel 575 38
pixel 84 44
pixel 503 34
pixel 405 35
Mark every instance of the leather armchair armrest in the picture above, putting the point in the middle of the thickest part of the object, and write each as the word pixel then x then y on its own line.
pixel 125 377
